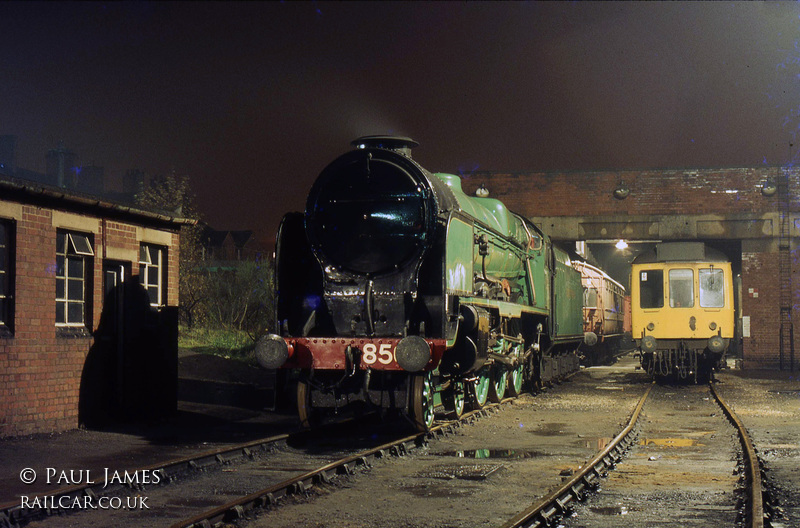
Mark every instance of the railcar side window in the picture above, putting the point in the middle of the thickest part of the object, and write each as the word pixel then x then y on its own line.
pixel 712 284
pixel 681 288
pixel 651 288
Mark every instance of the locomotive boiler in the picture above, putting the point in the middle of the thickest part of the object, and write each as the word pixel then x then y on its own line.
pixel 397 289
pixel 682 310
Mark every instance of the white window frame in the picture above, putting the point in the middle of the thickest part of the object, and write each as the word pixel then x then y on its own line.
pixel 77 249
pixel 152 274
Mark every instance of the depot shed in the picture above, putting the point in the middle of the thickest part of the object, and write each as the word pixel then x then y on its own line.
pixel 88 310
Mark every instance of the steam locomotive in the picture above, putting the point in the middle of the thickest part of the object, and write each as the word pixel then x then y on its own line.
pixel 396 288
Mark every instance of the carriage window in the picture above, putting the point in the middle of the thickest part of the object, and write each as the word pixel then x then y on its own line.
pixel 681 288
pixel 711 288
pixel 590 298
pixel 651 289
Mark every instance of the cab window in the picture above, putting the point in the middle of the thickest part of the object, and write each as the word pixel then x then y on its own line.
pixel 681 288
pixel 711 288
pixel 651 288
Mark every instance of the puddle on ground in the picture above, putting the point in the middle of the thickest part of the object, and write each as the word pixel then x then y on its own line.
pixel 495 453
pixel 463 472
pixel 550 429
pixel 596 443
pixel 609 510
pixel 600 443
pixel 427 491
pixel 670 442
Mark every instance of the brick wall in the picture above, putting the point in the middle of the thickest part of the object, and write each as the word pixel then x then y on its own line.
pixel 665 192
pixel 40 368
pixel 670 194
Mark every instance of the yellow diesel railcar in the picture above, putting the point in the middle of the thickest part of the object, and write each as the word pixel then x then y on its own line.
pixel 682 311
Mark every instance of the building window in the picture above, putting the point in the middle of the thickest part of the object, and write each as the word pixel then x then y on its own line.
pixel 73 278
pixel 152 273
pixel 6 277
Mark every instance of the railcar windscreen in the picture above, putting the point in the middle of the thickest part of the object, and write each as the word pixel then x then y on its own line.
pixel 681 288
pixel 369 222
pixel 712 288
pixel 651 288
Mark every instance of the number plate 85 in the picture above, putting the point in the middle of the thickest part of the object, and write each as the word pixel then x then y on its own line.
pixel 373 353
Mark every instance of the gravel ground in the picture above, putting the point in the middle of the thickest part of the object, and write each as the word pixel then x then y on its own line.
pixel 486 473
pixel 768 403
pixel 682 471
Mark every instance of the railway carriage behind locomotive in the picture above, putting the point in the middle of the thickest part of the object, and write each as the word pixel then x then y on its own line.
pixel 604 309
pixel 398 289
pixel 682 310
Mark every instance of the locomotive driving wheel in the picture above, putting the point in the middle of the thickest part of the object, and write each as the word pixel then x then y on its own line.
pixel 515 375
pixel 454 398
pixel 309 417
pixel 497 387
pixel 480 388
pixel 422 401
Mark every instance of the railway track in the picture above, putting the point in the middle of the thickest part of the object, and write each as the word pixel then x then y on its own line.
pixel 264 460
pixel 749 511
pixel 550 436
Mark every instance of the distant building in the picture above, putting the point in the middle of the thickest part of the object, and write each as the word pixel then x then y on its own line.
pixel 61 167
pixel 226 247
pixel 63 170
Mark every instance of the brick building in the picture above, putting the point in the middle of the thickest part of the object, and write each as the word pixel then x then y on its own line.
pixel 88 309
pixel 752 214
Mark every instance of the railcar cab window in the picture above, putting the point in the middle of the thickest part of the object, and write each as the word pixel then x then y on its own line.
pixel 651 288
pixel 681 288
pixel 712 288
pixel 73 272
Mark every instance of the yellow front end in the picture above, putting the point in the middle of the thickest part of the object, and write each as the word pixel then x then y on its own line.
pixel 682 300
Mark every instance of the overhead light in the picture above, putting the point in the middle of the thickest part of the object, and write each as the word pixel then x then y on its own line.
pixel 622 191
pixel 621 244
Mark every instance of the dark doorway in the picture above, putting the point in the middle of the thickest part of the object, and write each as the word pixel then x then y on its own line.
pixel 115 273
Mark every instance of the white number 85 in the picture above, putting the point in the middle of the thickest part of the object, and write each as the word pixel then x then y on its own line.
pixel 384 355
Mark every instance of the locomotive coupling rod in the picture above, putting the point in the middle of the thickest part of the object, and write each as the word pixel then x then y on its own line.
pixel 505 360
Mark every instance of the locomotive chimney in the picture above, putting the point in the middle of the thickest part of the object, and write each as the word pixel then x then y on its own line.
pixel 402 145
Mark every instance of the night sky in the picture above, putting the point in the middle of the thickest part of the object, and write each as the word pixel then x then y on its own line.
pixel 251 100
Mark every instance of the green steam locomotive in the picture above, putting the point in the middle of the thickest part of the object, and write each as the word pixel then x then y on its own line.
pixel 397 289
